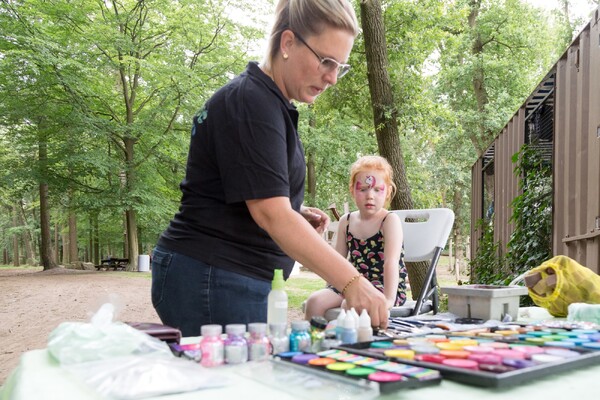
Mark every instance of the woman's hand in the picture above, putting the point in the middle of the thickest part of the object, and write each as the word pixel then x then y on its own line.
pixel 363 295
pixel 317 218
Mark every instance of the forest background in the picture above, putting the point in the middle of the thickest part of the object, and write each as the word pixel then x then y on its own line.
pixel 97 98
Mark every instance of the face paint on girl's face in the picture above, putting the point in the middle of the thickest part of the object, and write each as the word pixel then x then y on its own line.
pixel 369 182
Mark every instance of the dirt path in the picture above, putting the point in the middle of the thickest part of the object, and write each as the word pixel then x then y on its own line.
pixel 33 303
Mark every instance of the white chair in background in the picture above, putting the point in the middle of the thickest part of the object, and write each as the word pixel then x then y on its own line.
pixel 426 232
pixel 330 233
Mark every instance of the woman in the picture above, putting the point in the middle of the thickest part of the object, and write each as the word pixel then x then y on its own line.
pixel 241 213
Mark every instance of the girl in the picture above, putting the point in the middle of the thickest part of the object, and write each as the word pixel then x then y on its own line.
pixel 370 237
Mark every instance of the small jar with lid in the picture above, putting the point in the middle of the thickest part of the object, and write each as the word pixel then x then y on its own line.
pixel 236 346
pixel 300 336
pixel 259 347
pixel 317 332
pixel 279 338
pixel 211 345
pixel 330 341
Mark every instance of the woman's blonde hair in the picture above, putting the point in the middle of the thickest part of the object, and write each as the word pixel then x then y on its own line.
pixel 374 163
pixel 307 18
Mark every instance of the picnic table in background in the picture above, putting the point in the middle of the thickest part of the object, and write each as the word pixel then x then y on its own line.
pixel 113 263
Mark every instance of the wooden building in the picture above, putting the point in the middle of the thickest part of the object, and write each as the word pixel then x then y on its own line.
pixel 563 113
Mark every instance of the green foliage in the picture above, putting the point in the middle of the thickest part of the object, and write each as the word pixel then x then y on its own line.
pixel 322 138
pixel 488 263
pixel 530 243
pixel 97 77
pixel 66 67
pixel 491 61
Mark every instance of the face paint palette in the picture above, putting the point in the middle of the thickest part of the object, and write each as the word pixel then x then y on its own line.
pixel 387 376
pixel 498 357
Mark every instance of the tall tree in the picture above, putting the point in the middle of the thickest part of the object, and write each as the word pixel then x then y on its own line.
pixel 382 100
pixel 491 62
pixel 48 261
pixel 122 79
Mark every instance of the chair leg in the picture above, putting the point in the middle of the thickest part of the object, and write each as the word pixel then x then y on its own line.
pixel 436 297
pixel 430 285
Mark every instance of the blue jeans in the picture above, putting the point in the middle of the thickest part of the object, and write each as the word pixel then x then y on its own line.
pixel 187 294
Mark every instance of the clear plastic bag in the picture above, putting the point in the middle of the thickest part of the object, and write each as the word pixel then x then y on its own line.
pixel 76 342
pixel 137 377
pixel 121 362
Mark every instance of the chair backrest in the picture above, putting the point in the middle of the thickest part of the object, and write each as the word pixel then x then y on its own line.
pixel 424 230
pixel 330 233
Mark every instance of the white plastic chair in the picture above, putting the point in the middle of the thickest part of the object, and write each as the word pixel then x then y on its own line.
pixel 330 233
pixel 426 232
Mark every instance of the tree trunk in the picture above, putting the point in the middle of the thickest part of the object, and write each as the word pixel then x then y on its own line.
pixel 45 245
pixel 73 249
pixel 385 117
pixel 382 101
pixel 311 181
pixel 27 236
pixel 16 255
pixel 130 215
pixel 311 176
pixel 61 238
pixel 480 137
pixel 35 240
pixel 96 239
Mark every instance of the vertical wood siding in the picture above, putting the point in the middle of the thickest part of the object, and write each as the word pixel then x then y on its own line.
pixel 576 157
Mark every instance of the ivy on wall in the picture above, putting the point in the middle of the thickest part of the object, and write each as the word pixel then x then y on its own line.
pixel 530 243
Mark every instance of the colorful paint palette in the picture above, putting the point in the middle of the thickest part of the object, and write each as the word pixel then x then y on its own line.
pixel 496 357
pixel 388 375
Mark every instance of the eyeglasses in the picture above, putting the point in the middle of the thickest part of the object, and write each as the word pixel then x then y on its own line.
pixel 327 64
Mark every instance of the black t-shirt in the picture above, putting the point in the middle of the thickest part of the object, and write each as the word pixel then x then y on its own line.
pixel 244 146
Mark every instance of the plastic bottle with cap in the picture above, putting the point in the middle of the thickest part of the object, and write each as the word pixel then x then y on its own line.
pixel 340 323
pixel 277 300
pixel 349 334
pixel 365 332
pixel 354 317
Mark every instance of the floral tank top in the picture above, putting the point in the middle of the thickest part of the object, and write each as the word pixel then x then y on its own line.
pixel 367 255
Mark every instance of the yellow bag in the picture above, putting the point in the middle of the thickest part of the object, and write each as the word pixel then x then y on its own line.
pixel 560 281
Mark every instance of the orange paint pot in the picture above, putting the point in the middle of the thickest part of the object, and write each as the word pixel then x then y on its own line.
pixel 320 362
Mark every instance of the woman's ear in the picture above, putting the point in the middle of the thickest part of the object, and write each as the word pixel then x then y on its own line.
pixel 286 43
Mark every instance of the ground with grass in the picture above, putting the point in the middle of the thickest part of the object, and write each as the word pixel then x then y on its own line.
pixel 35 302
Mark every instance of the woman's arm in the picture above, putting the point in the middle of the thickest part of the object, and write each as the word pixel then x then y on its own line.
pixel 301 242
pixel 393 237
